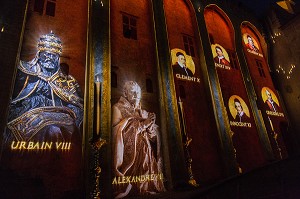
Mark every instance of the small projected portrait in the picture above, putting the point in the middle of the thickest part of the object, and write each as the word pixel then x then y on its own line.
pixel 270 99
pixel 221 57
pixel 250 43
pixel 238 109
pixel 182 63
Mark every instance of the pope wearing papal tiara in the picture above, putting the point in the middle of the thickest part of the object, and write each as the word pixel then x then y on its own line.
pixel 46 104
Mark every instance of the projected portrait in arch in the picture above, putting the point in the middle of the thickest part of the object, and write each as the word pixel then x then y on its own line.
pixel 47 104
pixel 135 146
pixel 254 45
pixel 43 138
pixel 251 45
pixel 270 100
pixel 221 57
pixel 183 66
pixel 238 109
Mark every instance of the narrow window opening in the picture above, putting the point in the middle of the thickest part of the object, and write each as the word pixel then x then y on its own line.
pixel 188 45
pixel 149 85
pixel 129 27
pixel 260 68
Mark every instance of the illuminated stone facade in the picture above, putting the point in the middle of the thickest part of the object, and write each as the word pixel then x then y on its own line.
pixel 213 120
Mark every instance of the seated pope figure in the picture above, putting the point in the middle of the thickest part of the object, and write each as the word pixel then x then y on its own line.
pixel 47 105
pixel 136 144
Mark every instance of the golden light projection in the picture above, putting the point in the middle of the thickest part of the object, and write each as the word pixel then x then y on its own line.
pixel 55 114
pixel 239 112
pixel 265 96
pixel 288 74
pixel 137 179
pixel 246 40
pixel 36 146
pixel 232 108
pixel 251 45
pixel 287 5
pixel 271 102
pixel 189 60
pixel 221 57
pixel 276 34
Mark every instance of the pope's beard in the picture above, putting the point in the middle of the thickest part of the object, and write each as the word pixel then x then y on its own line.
pixel 135 103
pixel 49 65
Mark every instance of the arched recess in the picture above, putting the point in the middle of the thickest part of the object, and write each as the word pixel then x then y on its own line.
pixel 247 26
pixel 198 126
pixel 268 100
pixel 236 105
pixel 50 79
pixel 136 145
pixel 219 27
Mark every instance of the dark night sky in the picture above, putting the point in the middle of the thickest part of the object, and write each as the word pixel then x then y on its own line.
pixel 257 6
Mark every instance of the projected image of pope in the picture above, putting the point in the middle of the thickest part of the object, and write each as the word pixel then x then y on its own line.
pixel 270 103
pixel 240 114
pixel 180 66
pixel 250 45
pixel 220 58
pixel 47 104
pixel 136 144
